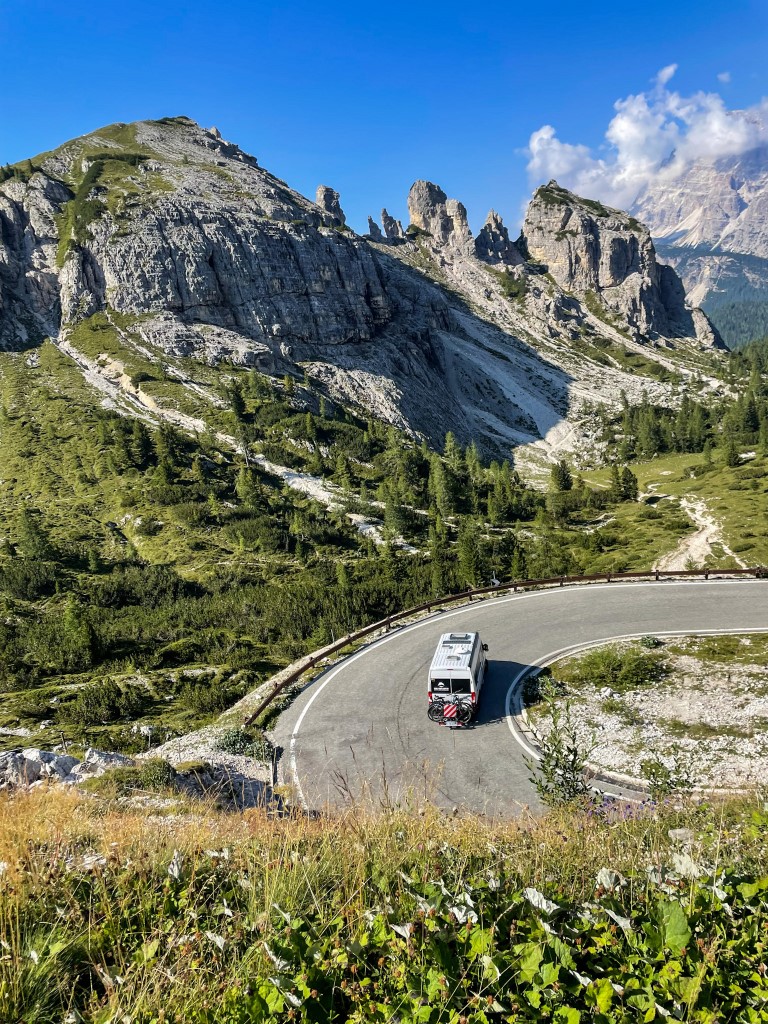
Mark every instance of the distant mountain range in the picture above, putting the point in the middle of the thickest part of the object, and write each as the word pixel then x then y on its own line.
pixel 711 224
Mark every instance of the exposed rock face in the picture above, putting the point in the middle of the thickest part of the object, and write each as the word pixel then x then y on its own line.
pixel 374 231
pixel 29 287
pixel 328 199
pixel 608 257
pixel 393 229
pixel 711 223
pixel 444 219
pixel 33 766
pixel 492 244
pixel 722 204
pixel 209 256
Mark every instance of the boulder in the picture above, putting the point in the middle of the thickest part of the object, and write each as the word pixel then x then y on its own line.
pixel 18 770
pixel 94 764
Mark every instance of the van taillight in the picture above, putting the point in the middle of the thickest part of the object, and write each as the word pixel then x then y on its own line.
pixel 473 697
pixel 430 696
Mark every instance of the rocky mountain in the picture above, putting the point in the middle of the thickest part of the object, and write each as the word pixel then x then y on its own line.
pixel 711 223
pixel 198 252
pixel 592 250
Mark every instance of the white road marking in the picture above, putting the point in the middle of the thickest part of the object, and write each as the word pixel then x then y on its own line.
pixel 493 602
pixel 514 686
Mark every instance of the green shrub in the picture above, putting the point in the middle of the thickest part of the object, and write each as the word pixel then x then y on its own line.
pixel 209 695
pixel 152 776
pixel 102 702
pixel 621 670
pixel 245 742
pixel 27 578
pixel 156 773
pixel 650 642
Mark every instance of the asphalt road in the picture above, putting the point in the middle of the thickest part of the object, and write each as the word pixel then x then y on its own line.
pixel 360 731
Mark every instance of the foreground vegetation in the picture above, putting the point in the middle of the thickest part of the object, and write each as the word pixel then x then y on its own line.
pixel 603 914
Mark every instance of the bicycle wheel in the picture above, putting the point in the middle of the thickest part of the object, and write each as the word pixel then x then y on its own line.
pixel 435 711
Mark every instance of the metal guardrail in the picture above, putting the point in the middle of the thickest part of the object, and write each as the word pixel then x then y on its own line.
pixel 760 572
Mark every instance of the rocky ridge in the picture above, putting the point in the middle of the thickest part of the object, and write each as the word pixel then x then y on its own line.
pixel 594 251
pixel 214 258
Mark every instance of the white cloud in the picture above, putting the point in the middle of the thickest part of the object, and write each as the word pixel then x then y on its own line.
pixel 724 76
pixel 653 134
pixel 665 74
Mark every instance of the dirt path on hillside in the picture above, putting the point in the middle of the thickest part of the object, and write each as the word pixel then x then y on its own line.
pixel 108 376
pixel 696 547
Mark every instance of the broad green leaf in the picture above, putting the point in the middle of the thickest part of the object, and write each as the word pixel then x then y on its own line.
pixel 674 926
pixel 531 955
pixel 567 1015
pixel 149 950
pixel 562 952
pixel 749 890
pixel 600 994
pixel 480 941
pixel 550 973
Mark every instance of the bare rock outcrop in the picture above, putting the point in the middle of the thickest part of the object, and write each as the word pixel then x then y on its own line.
pixel 207 255
pixel 29 289
pixel 492 244
pixel 608 258
pixel 444 219
pixel 374 231
pixel 32 766
pixel 393 229
pixel 327 199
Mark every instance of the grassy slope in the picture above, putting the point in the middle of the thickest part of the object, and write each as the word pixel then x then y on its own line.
pixel 737 498
pixel 63 459
pixel 69 462
pixel 406 917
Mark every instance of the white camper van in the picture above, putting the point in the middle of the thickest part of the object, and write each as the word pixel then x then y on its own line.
pixel 456 678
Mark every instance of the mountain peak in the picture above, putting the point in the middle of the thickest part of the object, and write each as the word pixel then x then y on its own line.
pixel 607 256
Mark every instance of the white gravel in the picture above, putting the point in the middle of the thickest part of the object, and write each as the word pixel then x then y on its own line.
pixel 713 717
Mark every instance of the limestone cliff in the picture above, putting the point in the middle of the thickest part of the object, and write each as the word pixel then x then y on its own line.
pixel 210 256
pixel 442 218
pixel 608 257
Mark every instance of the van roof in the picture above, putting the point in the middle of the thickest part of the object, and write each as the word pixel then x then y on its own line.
pixel 454 650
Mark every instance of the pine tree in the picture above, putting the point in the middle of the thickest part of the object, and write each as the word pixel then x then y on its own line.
pixel 140 444
pixel 471 564
pixel 31 538
pixel 78 638
pixel 629 488
pixel 560 476
pixel 237 401
pixel 441 486
pixel 246 488
pixel 453 455
pixel 614 490
pixel 731 453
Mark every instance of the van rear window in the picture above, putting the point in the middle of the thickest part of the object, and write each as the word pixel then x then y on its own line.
pixel 451 686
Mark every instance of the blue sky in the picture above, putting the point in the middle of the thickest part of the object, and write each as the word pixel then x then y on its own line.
pixel 368 97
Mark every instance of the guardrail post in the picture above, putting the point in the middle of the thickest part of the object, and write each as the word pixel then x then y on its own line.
pixel 562 581
pixel 706 574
